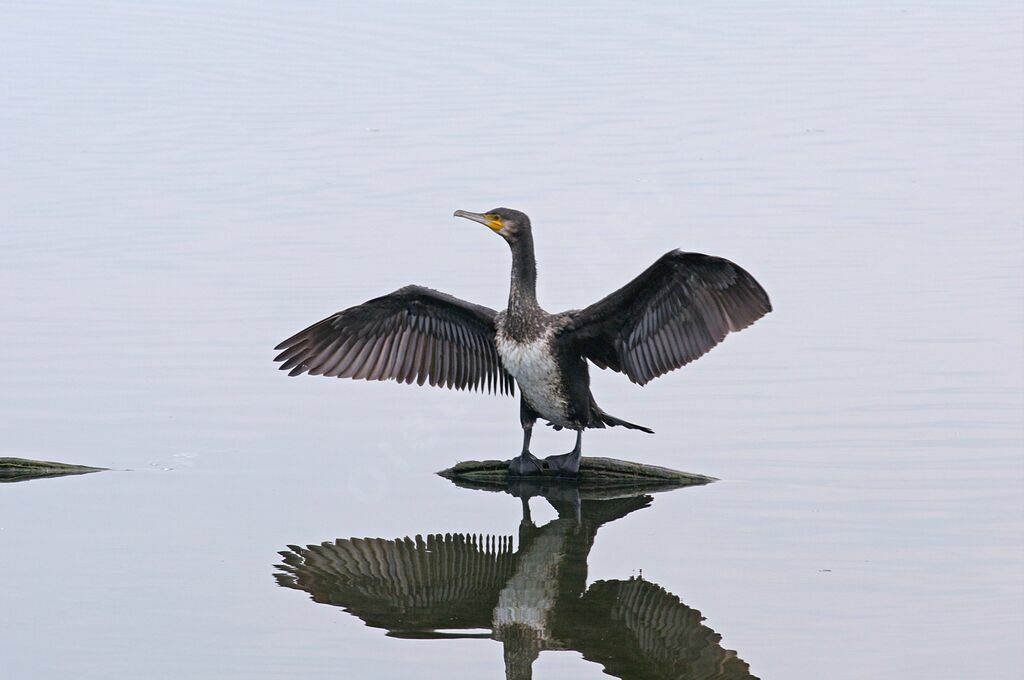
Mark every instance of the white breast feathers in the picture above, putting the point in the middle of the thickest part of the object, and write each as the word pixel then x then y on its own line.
pixel 533 366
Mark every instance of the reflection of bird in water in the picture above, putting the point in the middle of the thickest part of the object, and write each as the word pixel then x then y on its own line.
pixel 531 599
pixel 675 311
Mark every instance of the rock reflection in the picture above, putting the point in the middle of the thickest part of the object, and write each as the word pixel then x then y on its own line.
pixel 531 598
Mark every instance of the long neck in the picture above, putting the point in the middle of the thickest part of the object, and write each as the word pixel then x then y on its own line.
pixel 522 294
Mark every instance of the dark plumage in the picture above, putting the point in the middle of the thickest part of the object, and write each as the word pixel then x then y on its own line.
pixel 674 312
pixel 412 335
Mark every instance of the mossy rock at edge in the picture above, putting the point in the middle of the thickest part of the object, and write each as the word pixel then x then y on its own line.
pixel 22 469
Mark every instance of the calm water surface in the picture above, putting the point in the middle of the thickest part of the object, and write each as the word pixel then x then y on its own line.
pixel 183 184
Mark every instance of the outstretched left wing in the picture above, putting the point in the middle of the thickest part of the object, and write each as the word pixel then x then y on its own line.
pixel 675 311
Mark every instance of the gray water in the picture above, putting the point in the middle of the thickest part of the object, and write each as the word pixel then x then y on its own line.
pixel 184 184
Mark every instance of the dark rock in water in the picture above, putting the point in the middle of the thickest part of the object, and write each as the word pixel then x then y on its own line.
pixel 595 473
pixel 23 469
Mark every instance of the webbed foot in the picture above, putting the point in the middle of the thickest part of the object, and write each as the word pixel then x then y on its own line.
pixel 525 464
pixel 565 465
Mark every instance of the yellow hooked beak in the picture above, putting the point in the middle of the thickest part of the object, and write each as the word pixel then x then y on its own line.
pixel 488 220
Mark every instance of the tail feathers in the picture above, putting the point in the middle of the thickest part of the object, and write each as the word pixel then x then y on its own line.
pixel 599 418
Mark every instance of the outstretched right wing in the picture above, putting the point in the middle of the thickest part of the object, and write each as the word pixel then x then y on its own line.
pixel 414 334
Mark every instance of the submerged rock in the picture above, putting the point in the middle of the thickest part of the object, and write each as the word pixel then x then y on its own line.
pixel 595 473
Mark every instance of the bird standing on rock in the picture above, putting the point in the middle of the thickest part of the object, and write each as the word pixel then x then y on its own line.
pixel 675 311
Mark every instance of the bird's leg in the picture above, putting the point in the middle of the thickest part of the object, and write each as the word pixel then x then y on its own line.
pixel 567 464
pixel 526 463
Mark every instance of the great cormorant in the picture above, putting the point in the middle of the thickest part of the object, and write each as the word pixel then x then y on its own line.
pixel 676 310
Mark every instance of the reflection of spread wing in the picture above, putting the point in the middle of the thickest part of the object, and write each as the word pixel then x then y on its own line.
pixel 639 631
pixel 405 585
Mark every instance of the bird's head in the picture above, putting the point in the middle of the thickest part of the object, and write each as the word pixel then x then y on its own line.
pixel 509 224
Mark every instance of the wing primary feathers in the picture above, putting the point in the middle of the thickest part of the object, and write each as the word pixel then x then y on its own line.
pixel 317 363
pixel 434 373
pixel 406 371
pixel 376 346
pixel 377 372
pixel 445 347
pixel 675 311
pixel 462 379
pixel 421 359
pixel 424 359
pixel 394 366
pixel 443 363
pixel 352 350
pixel 336 362
pixel 291 352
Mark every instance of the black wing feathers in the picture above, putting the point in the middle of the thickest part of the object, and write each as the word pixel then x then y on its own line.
pixel 674 312
pixel 412 335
